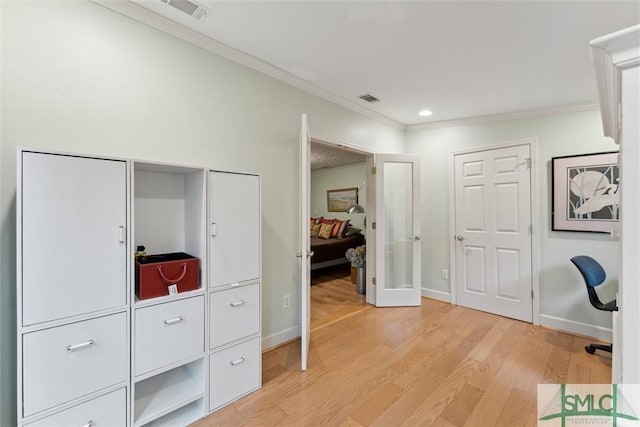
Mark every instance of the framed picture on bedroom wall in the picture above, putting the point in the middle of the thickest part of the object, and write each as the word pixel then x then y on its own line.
pixel 340 200
pixel 585 192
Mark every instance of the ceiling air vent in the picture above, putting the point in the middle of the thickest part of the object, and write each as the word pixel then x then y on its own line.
pixel 369 98
pixel 192 9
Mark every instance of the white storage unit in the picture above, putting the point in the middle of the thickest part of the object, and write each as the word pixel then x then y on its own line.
pixel 90 352
pixel 235 361
pixel 616 58
pixel 168 368
pixel 73 298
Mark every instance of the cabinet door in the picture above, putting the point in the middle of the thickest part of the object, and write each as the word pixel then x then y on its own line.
pixel 70 361
pixel 107 410
pixel 73 236
pixel 168 333
pixel 234 372
pixel 233 314
pixel 235 228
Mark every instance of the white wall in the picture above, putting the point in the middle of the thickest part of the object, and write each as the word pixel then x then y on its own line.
pixel 80 78
pixel 562 290
pixel 349 176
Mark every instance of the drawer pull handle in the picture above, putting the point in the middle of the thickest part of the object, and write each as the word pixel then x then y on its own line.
pixel 172 321
pixel 88 424
pixel 237 362
pixel 237 303
pixel 81 345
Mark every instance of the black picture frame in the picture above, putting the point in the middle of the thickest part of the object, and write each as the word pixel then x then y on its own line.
pixel 585 192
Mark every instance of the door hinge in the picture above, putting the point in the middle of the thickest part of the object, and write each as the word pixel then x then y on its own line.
pixel 619 116
pixel 530 228
pixel 373 170
pixel 531 293
pixel 526 162
pixel 373 280
pixel 373 225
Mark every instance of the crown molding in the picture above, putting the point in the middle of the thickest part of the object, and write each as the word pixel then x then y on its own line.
pixel 138 13
pixel 575 108
pixel 609 55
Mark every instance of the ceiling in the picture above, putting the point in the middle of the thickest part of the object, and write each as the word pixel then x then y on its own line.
pixel 459 59
pixel 328 156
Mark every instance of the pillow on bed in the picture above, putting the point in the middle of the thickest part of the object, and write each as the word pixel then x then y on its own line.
pixel 315 229
pixel 327 220
pixel 339 228
pixel 316 220
pixel 325 231
pixel 351 231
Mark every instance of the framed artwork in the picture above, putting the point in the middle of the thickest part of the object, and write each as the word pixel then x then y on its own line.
pixel 585 192
pixel 340 200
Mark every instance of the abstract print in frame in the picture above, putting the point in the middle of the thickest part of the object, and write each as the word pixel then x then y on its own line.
pixel 585 192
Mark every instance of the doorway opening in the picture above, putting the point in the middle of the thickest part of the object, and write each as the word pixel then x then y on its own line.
pixel 338 182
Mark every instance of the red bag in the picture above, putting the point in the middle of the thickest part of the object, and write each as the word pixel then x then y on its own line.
pixel 156 273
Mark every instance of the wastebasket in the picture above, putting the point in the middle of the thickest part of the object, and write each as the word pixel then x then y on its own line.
pixel 361 280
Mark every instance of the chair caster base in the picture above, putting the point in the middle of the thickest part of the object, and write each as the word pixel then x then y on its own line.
pixel 591 348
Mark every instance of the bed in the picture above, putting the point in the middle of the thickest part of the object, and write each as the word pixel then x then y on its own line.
pixel 329 252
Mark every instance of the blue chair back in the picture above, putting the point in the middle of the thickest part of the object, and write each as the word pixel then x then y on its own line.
pixel 590 269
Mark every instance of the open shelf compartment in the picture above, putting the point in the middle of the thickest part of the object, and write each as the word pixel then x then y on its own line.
pixel 169 211
pixel 165 393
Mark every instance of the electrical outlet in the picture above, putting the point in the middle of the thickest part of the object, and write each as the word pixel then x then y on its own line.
pixel 286 301
pixel 444 274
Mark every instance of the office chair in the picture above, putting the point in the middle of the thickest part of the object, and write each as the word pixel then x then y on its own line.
pixel 594 275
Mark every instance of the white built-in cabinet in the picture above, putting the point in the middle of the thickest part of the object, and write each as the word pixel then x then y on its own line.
pixel 89 351
pixel 616 58
pixel 234 295
pixel 168 333
pixel 73 300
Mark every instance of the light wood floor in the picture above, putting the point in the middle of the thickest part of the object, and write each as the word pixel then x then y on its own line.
pixel 333 296
pixel 437 364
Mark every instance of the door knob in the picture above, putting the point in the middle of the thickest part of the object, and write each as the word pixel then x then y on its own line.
pixel 416 238
pixel 459 238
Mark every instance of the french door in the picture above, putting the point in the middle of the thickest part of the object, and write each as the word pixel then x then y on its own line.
pixel 397 230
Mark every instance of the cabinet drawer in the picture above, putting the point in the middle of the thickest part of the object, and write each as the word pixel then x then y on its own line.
pixel 167 333
pixel 70 361
pixel 234 372
pixel 233 314
pixel 107 410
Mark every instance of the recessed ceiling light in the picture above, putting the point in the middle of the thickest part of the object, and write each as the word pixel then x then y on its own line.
pixel 425 113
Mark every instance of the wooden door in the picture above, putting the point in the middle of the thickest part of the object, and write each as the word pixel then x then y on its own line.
pixel 493 231
pixel 305 254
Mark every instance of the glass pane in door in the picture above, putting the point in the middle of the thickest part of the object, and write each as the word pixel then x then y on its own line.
pixel 398 238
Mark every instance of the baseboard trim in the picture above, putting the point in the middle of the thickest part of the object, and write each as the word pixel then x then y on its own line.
pixel 566 325
pixel 280 337
pixel 439 295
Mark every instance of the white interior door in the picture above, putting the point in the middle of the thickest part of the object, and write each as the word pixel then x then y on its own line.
pixel 493 231
pixel 305 243
pixel 397 230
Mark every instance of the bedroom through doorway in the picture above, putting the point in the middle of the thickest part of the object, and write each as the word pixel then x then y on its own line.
pixel 338 183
